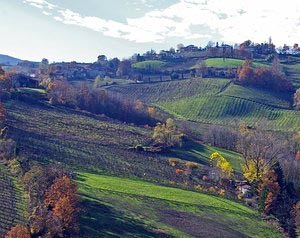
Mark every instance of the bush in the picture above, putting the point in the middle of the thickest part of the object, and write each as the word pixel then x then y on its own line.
pixel 191 165
pixel 173 162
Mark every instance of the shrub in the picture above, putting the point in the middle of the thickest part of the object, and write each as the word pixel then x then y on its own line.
pixel 191 165
pixel 173 162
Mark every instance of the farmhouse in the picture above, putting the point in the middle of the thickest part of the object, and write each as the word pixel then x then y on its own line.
pixel 22 80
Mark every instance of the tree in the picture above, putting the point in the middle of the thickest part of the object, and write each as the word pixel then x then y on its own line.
pixel 272 189
pixel 222 164
pixel 61 92
pixel 124 68
pixel 61 198
pixel 2 73
pixel 297 99
pixel 18 231
pixel 261 150
pixel 166 134
pixel 245 73
pixel 97 82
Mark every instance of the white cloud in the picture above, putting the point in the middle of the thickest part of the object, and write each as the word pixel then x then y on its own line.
pixel 233 20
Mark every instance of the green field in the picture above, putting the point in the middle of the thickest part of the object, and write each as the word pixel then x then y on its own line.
pixel 200 153
pixel 118 207
pixel 149 64
pixel 229 63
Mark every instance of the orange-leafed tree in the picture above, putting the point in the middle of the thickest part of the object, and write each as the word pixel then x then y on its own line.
pixel 18 231
pixel 62 187
pixel 270 181
pixel 62 199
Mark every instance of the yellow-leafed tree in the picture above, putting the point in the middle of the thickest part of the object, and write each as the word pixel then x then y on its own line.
pixel 222 164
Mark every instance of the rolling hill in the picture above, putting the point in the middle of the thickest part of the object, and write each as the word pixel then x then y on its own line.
pixel 216 101
pixel 8 60
pixel 117 186
pixel 118 207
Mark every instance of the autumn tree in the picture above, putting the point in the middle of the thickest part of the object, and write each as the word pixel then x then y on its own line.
pixel 2 73
pixel 18 231
pixel 260 150
pixel 270 191
pixel 296 214
pixel 297 99
pixel 166 134
pixel 219 162
pixel 245 73
pixel 61 92
pixel 61 198
pixel 124 68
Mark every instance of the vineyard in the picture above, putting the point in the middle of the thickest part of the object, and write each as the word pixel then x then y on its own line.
pixel 11 202
pixel 224 110
pixel 217 101
pixel 171 90
pixel 118 207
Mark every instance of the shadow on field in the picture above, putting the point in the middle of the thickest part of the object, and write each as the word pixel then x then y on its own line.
pixel 191 151
pixel 199 226
pixel 99 220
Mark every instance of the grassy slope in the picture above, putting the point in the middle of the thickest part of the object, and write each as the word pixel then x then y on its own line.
pixel 149 64
pixel 85 142
pixel 200 153
pixel 229 63
pixel 141 209
pixel 12 203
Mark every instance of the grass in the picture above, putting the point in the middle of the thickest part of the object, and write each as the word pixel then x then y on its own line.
pixel 200 153
pixel 142 209
pixel 229 63
pixel 149 64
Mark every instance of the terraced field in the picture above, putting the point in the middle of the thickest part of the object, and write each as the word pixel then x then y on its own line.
pixel 118 207
pixel 11 202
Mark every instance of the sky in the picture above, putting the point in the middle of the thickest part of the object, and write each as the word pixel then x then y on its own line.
pixel 80 30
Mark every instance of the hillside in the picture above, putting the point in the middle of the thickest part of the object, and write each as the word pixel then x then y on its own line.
pixel 12 205
pixel 8 60
pixel 131 208
pixel 216 101
pixel 85 142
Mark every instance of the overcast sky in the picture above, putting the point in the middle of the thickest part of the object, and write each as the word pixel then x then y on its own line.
pixel 65 30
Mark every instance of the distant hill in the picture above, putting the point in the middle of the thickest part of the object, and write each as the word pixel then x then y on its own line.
pixel 8 60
